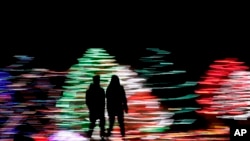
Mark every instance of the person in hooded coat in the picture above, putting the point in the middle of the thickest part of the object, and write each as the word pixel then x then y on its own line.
pixel 116 104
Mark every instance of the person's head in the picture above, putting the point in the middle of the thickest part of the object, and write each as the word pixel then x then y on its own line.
pixel 115 80
pixel 96 80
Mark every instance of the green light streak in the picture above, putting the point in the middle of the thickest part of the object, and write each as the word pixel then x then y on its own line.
pixel 154 129
pixel 184 121
pixel 188 96
pixel 155 69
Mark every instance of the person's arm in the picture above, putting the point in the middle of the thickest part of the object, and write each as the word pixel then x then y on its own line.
pixel 124 100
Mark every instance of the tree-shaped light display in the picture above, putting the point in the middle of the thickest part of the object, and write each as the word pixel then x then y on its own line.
pixel 145 114
pixel 210 85
pixel 169 84
pixel 232 99
pixel 18 85
pixel 11 95
pixel 213 80
pixel 26 100
pixel 74 112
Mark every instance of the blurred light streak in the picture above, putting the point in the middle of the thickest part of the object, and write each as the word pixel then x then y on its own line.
pixel 143 106
pixel 210 85
pixel 67 136
pixel 160 76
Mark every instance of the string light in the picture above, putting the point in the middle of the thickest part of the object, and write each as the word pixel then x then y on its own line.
pixel 74 112
pixel 160 76
pixel 232 100
pixel 210 84
pixel 144 109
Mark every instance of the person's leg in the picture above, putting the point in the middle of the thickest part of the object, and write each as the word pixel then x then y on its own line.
pixel 92 119
pixel 102 126
pixel 111 124
pixel 121 124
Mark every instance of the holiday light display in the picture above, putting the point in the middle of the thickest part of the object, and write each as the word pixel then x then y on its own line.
pixel 14 107
pixel 5 103
pixel 156 66
pixel 5 92
pixel 214 78
pixel 130 80
pixel 146 113
pixel 232 99
pixel 145 116
pixel 67 136
pixel 147 119
pixel 166 83
pixel 39 138
pixel 220 133
pixel 9 106
pixel 74 112
pixel 28 93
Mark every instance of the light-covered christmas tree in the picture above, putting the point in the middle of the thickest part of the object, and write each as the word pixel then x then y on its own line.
pixel 214 78
pixel 231 101
pixel 29 99
pixel 13 104
pixel 170 85
pixel 209 87
pixel 74 112
pixel 146 114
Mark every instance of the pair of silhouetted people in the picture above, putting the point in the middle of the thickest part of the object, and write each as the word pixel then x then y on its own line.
pixel 116 105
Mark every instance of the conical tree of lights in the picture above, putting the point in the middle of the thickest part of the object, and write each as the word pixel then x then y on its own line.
pixel 169 84
pixel 145 116
pixel 145 112
pixel 231 101
pixel 74 112
pixel 211 83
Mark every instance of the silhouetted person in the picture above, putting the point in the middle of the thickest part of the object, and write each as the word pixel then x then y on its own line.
pixel 116 104
pixel 95 100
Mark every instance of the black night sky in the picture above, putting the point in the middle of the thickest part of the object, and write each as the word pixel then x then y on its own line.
pixel 193 45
